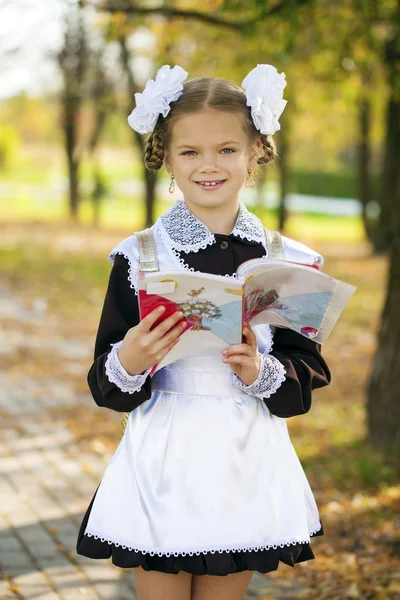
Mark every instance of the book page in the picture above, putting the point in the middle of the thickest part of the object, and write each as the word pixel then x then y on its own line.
pixel 212 307
pixel 294 296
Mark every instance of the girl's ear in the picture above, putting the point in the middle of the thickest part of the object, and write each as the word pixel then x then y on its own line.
pixel 255 152
pixel 167 161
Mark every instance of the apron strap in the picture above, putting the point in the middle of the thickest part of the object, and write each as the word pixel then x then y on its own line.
pixel 148 263
pixel 147 251
pixel 274 245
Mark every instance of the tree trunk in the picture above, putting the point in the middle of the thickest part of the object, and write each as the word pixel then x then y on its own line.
pixel 74 196
pixel 386 231
pixel 70 129
pixel 390 172
pixel 73 62
pixel 260 196
pixel 283 178
pixel 150 181
pixel 364 160
pixel 383 401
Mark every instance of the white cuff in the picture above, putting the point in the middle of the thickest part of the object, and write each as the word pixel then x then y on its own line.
pixel 271 376
pixel 117 374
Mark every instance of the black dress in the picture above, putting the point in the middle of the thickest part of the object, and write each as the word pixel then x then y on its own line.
pixel 305 370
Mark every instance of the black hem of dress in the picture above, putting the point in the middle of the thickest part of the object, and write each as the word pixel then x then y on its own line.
pixel 209 563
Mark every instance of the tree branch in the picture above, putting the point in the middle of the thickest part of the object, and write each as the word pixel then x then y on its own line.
pixel 196 15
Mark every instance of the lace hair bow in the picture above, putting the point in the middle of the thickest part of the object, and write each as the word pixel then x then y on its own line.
pixel 264 91
pixel 156 97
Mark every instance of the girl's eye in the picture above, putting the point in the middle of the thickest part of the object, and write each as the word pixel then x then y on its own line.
pixel 191 152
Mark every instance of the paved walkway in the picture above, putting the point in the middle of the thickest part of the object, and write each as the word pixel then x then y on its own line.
pixel 46 484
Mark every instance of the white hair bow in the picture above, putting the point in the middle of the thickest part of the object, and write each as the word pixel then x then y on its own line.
pixel 156 97
pixel 264 91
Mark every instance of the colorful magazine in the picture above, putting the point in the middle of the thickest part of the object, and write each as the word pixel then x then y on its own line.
pixel 278 292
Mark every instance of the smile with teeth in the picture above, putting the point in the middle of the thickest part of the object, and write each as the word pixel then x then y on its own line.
pixel 210 183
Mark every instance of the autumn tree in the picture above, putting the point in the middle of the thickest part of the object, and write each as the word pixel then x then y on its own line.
pixel 73 62
pixel 87 83
pixel 383 401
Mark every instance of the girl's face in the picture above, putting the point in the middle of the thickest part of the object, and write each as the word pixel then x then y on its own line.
pixel 210 147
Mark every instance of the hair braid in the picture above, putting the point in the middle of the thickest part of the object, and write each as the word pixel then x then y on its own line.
pixel 269 150
pixel 154 152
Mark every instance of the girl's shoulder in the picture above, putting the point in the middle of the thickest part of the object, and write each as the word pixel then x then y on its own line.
pixel 299 252
pixel 128 247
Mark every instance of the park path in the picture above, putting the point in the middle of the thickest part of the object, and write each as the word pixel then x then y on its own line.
pixel 46 483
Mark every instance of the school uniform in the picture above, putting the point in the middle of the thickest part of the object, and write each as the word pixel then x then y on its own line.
pixel 205 478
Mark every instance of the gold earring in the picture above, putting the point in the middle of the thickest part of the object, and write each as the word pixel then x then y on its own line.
pixel 171 188
pixel 250 181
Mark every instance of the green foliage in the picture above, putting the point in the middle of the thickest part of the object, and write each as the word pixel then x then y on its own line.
pixel 9 145
pixel 340 184
pixel 35 119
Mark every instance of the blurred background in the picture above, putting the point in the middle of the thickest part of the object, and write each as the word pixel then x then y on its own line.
pixel 73 184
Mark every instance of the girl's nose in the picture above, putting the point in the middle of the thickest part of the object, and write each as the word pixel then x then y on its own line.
pixel 210 167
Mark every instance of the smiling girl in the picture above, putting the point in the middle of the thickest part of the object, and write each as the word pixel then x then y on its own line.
pixel 205 487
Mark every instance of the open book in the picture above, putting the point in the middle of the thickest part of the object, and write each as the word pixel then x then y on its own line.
pixel 277 292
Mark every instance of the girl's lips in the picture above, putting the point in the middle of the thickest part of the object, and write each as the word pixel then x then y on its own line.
pixel 210 187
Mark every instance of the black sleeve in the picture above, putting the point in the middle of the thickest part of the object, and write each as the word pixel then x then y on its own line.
pixel 305 369
pixel 120 313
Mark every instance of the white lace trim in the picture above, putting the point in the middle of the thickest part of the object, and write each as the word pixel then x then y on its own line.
pixel 116 373
pixel 181 230
pixel 270 342
pixel 249 227
pixel 271 376
pixel 211 550
pixel 131 276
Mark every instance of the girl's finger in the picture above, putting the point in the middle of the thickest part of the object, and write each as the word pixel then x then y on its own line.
pixel 237 359
pixel 238 349
pixel 171 337
pixel 162 328
pixel 249 335
pixel 148 321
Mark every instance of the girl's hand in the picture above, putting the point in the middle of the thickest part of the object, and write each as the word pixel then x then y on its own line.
pixel 142 348
pixel 244 358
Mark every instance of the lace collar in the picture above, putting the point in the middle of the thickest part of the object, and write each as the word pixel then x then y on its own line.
pixel 182 231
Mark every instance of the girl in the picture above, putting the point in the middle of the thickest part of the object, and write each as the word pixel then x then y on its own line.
pixel 205 486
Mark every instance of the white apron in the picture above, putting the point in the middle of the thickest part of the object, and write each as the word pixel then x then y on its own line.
pixel 202 466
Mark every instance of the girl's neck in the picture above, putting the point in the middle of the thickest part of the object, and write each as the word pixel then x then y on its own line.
pixel 220 219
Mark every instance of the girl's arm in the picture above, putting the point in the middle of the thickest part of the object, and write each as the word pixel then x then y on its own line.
pixel 305 369
pixel 120 313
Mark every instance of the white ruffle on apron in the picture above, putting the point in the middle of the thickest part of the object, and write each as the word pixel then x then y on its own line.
pixel 203 468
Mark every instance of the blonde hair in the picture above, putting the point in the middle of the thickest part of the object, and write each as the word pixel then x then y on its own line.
pixel 198 94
